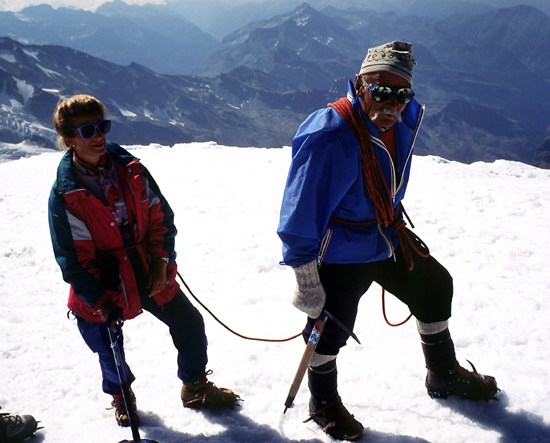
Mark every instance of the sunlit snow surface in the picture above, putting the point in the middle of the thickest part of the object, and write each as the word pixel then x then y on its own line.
pixel 489 224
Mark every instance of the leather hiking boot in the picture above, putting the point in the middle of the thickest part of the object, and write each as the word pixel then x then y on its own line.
pixel 205 394
pixel 121 414
pixel 335 419
pixel 15 428
pixel 461 382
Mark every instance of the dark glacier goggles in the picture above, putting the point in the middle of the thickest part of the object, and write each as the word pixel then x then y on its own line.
pixel 88 130
pixel 382 93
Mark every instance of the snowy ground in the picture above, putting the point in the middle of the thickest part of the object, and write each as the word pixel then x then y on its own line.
pixel 489 224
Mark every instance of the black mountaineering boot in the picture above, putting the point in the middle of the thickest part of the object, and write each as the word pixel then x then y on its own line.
pixel 326 407
pixel 16 428
pixel 446 377
pixel 335 419
pixel 459 381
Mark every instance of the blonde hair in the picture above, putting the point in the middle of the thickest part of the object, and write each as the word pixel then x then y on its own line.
pixel 68 110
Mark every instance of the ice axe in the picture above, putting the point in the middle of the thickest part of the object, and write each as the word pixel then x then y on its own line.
pixel 123 378
pixel 310 349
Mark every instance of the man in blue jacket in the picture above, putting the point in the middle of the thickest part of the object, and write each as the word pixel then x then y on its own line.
pixel 342 228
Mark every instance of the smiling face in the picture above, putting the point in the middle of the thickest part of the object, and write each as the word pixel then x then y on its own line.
pixel 90 150
pixel 386 113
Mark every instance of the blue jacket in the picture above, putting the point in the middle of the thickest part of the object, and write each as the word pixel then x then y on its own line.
pixel 325 189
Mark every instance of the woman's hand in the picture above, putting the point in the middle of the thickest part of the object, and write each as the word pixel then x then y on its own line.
pixel 106 309
pixel 157 277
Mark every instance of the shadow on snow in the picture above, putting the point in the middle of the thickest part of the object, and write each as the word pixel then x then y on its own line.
pixel 514 427
pixel 241 429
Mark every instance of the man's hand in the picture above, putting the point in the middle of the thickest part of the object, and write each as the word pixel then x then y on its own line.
pixel 156 281
pixel 309 296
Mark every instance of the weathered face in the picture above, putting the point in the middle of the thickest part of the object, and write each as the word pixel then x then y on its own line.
pixel 386 113
pixel 88 149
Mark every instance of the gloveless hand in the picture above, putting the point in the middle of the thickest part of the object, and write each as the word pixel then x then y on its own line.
pixel 156 281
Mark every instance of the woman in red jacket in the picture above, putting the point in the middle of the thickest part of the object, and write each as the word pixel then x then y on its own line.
pixel 113 236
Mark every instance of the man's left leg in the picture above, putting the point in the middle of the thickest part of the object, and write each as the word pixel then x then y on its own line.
pixel 428 291
pixel 445 376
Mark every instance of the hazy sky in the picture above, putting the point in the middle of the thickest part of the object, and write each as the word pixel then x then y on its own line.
pixel 89 5
pixel 92 5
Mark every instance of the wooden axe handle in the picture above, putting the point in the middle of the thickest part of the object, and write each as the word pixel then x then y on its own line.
pixel 304 362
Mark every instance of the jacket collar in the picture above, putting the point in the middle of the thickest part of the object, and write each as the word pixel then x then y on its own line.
pixel 66 177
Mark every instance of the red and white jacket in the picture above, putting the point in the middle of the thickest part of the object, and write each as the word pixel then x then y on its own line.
pixel 88 245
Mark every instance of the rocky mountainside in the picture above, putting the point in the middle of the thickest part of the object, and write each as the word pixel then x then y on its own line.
pixel 542 156
pixel 483 76
pixel 305 47
pixel 116 32
pixel 222 18
pixel 232 109
pixel 465 82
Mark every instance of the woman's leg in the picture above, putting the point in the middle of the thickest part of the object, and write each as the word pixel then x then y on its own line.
pixel 186 327
pixel 96 336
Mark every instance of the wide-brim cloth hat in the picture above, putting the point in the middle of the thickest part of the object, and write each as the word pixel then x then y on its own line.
pixel 395 57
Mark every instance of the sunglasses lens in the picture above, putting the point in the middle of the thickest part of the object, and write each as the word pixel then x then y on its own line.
pixel 405 95
pixel 87 131
pixel 383 93
pixel 380 93
pixel 104 126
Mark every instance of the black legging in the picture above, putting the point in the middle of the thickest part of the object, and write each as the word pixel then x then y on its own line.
pixel 427 290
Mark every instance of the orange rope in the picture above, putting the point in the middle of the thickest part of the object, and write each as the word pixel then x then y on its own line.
pixel 373 177
pixel 227 327
pixel 384 312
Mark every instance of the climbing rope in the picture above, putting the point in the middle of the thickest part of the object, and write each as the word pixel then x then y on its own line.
pixel 277 339
pixel 384 312
pixel 227 327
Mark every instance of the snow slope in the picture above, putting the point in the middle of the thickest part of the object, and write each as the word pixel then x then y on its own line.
pixel 489 224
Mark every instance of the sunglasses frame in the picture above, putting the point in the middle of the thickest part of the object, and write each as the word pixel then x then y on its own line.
pixel 96 128
pixel 401 93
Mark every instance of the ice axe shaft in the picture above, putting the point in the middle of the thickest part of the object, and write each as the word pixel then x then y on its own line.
pixel 306 357
pixel 123 379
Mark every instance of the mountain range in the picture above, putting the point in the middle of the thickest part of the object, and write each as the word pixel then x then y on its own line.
pixel 483 76
pixel 146 107
pixel 116 32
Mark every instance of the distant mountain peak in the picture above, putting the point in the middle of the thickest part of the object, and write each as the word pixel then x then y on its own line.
pixel 113 7
pixel 305 8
